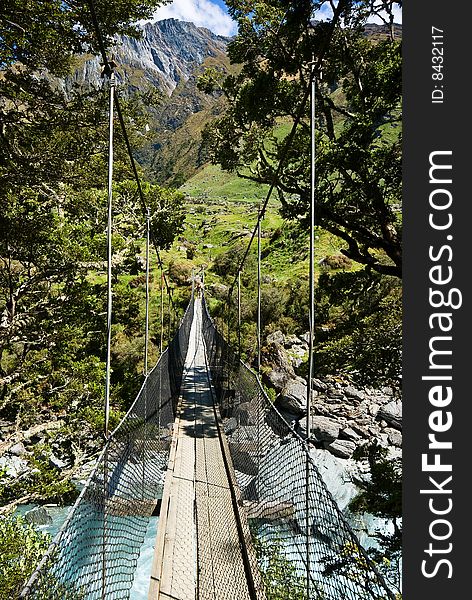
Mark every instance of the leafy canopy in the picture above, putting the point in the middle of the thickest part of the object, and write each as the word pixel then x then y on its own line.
pixel 358 118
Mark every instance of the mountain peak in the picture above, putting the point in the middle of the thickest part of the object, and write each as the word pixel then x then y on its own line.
pixel 169 51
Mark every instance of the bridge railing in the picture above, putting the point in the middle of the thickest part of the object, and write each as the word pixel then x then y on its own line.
pixel 304 544
pixel 95 553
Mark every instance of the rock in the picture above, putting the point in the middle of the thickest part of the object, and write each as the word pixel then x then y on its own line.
pixel 230 426
pixel 324 429
pixel 380 399
pixel 243 414
pixel 319 385
pixel 293 397
pixel 291 340
pixel 277 379
pixel 282 371
pixel 394 437
pixel 349 434
pixel 335 395
pixel 243 434
pixel 38 516
pixel 341 448
pixel 276 338
pixel 305 337
pixel 297 355
pixel 351 392
pixel 13 465
pixel 383 440
pixel 57 463
pixel 362 431
pixel 374 409
pixel 17 449
pixel 392 413
pixel 140 262
pixel 243 461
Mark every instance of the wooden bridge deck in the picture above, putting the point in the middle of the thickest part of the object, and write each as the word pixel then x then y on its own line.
pixel 198 551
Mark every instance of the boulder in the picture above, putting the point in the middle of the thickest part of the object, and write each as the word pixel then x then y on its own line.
pixel 17 449
pixel 230 425
pixel 324 429
pixel 276 338
pixel 57 463
pixel 243 435
pixel 341 448
pixel 277 379
pixel 38 516
pixel 13 465
pixel 374 409
pixel 394 437
pixel 243 414
pixel 291 340
pixel 276 357
pixel 352 392
pixel 243 461
pixel 293 397
pixel 349 434
pixel 391 413
pixel 319 385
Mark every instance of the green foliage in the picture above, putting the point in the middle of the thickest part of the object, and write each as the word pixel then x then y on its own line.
pixel 53 201
pixel 22 548
pixel 359 327
pixel 166 210
pixel 179 272
pixel 226 264
pixel 43 482
pixel 279 575
pixel 358 146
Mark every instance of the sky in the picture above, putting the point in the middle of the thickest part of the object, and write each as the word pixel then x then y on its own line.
pixel 213 15
pixel 204 13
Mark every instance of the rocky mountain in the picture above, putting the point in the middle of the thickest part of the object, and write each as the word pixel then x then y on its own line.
pixel 167 59
pixel 166 55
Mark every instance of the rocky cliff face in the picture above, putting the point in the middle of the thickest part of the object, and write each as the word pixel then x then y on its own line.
pixel 168 54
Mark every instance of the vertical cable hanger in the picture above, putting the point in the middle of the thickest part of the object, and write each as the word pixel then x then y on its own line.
pixel 146 336
pixel 146 352
pixel 108 71
pixel 311 308
pixel 239 315
pixel 162 310
pixel 259 218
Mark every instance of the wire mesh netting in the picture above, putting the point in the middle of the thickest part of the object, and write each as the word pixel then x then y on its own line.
pixel 304 546
pixel 95 553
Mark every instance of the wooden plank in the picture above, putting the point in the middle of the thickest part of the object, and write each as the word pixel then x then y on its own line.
pixel 198 545
pixel 156 569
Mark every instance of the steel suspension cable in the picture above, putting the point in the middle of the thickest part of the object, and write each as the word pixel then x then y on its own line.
pixel 109 251
pixel 311 311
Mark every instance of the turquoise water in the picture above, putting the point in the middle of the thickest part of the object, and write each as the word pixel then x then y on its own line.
pixel 84 562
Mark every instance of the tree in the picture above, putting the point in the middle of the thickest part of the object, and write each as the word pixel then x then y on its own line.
pixel 359 327
pixel 358 133
pixel 53 144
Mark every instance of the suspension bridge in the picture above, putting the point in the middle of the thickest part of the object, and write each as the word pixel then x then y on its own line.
pixel 234 486
pixel 243 510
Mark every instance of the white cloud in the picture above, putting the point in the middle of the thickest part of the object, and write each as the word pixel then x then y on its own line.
pixel 325 13
pixel 203 13
pixel 397 13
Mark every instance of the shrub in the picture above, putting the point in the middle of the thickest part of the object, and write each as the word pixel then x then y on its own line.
pixel 180 273
pixel 22 547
